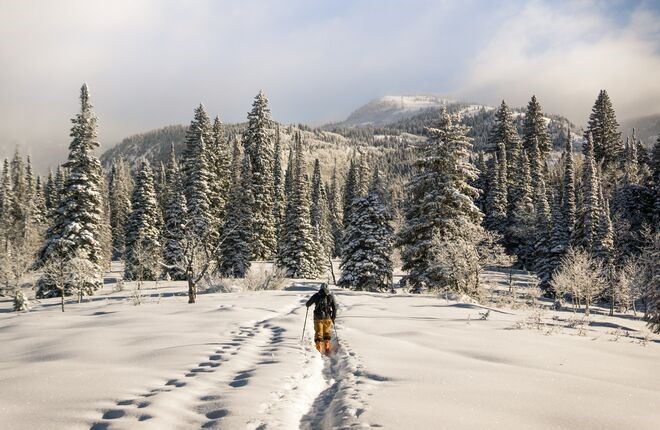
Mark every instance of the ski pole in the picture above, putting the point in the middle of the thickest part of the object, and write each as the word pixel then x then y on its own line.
pixel 304 325
pixel 336 335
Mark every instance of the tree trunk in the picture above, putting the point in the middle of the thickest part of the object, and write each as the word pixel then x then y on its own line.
pixel 332 271
pixel 192 290
pixel 62 300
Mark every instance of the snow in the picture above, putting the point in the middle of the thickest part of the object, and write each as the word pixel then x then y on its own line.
pixel 235 361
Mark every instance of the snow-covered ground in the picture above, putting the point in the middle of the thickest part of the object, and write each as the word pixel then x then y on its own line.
pixel 236 361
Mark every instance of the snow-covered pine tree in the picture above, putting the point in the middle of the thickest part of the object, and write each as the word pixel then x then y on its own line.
pixel 568 206
pixel 258 144
pixel 287 174
pixel 235 249
pixel 195 174
pixel 543 245
pixel 120 188
pixel 363 176
pixel 20 192
pixel 320 217
pixel 219 164
pixel 439 205
pixel 603 128
pixel 588 212
pixel 76 226
pixel 351 190
pixel 49 191
pixel 651 256
pixel 604 240
pixel 504 132
pixel 298 251
pixel 520 214
pixel 143 247
pixel 368 241
pixel 6 201
pixel 336 223
pixel 481 183
pixel 174 219
pixel 39 205
pixel 278 183
pixel 535 128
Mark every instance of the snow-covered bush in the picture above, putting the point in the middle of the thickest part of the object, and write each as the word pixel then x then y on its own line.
pixel 264 278
pixel 21 302
pixel 581 276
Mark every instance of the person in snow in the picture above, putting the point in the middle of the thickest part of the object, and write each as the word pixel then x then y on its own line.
pixel 325 312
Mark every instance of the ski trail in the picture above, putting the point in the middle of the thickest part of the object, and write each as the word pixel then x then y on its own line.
pixel 260 378
pixel 343 401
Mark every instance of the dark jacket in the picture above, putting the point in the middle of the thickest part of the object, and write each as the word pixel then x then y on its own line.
pixel 323 312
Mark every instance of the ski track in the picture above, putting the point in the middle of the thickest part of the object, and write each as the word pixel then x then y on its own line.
pixel 344 400
pixel 215 393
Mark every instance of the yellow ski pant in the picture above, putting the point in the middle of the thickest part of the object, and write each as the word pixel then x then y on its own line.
pixel 322 330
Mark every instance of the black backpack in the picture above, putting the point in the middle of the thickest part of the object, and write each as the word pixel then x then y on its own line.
pixel 324 307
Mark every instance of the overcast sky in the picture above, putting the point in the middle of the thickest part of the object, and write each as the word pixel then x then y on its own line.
pixel 150 62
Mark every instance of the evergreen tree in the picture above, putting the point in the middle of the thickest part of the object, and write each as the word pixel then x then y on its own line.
pixel 278 184
pixel 520 216
pixel 504 132
pixel 588 215
pixel 336 223
pixel 351 190
pixel 482 183
pixel 49 192
pixel 535 128
pixel 258 144
pixel 542 236
pixel 439 204
pixel 143 248
pixel 287 174
pixel 120 188
pixel 218 159
pixel 298 253
pixel 75 229
pixel 196 176
pixel 320 217
pixel 235 251
pixel 568 206
pixel 363 176
pixel 174 219
pixel 603 128
pixel 366 263
pixel 604 241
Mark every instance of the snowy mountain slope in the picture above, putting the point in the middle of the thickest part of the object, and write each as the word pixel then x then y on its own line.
pixel 389 109
pixel 647 128
pixel 235 361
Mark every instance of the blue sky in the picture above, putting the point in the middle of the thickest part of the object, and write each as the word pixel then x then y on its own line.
pixel 148 62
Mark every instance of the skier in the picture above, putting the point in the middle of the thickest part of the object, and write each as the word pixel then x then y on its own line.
pixel 325 312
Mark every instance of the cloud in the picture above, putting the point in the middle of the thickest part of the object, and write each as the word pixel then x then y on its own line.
pixel 565 54
pixel 150 62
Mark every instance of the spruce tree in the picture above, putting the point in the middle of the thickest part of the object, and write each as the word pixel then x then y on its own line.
pixel 542 236
pixel 535 128
pixel 287 173
pixel 320 216
pixel 75 229
pixel 604 241
pixel 439 203
pixel 235 250
pixel 143 247
pixel 120 188
pixel 49 192
pixel 298 252
pixel 174 220
pixel 588 214
pixel 351 190
pixel 258 144
pixel 568 206
pixel 603 128
pixel 336 222
pixel 218 159
pixel 196 176
pixel 278 184
pixel 504 132
pixel 520 214
pixel 367 249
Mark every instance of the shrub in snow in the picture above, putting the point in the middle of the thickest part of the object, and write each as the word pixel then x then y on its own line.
pixel 21 302
pixel 581 276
